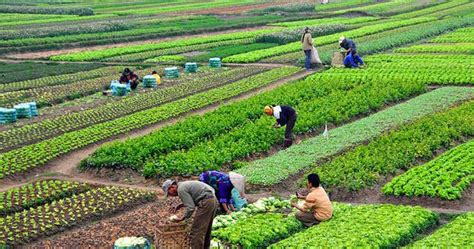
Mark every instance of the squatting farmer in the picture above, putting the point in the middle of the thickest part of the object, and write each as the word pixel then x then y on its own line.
pixel 307 43
pixel 352 57
pixel 285 115
pixel 129 77
pixel 317 207
pixel 195 197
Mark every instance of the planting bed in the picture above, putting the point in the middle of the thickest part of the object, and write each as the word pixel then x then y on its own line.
pixel 391 140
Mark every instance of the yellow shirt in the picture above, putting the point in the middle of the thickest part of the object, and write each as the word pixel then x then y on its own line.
pixel 318 202
pixel 158 79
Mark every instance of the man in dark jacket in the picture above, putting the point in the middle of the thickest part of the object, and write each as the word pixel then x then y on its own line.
pixel 352 58
pixel 284 115
pixel 129 76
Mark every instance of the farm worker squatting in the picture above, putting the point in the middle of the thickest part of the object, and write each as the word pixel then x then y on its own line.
pixel 157 77
pixel 317 207
pixel 229 189
pixel 129 77
pixel 284 115
pixel 196 197
pixel 352 58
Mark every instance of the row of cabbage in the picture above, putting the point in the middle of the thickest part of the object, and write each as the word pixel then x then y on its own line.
pixel 447 176
pixel 35 155
pixel 31 133
pixel 38 193
pixel 351 226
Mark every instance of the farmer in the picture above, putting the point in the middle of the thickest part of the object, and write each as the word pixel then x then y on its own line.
pixel 307 43
pixel 129 77
pixel 284 115
pixel 157 77
pixel 352 57
pixel 317 207
pixel 223 186
pixel 199 197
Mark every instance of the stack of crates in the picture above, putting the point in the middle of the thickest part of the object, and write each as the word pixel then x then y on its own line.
pixel 215 62
pixel 23 111
pixel 7 116
pixel 34 109
pixel 190 67
pixel 149 81
pixel 120 90
pixel 171 72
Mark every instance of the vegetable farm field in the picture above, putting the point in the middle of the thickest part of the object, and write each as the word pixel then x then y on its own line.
pixel 83 157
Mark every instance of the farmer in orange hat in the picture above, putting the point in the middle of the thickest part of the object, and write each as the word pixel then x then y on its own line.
pixel 285 115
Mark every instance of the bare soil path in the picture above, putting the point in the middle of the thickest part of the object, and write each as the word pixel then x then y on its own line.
pixel 66 166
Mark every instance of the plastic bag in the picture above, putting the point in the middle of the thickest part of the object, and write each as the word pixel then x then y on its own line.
pixel 239 182
pixel 315 56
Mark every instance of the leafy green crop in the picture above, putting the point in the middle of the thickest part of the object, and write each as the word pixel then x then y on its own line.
pixel 456 234
pixel 276 168
pixel 457 48
pixel 446 176
pixel 259 230
pixel 35 155
pixel 363 166
pixel 364 226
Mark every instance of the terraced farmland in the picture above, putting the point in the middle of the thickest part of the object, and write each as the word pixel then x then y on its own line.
pixel 83 157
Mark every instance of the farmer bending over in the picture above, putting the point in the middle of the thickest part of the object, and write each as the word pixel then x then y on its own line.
pixel 199 197
pixel 352 57
pixel 317 207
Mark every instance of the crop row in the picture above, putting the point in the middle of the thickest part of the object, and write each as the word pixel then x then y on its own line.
pixel 178 50
pixel 459 11
pixel 464 35
pixel 105 53
pixel 224 51
pixel 37 193
pixel 337 105
pixel 48 95
pixel 150 30
pixel 259 231
pixel 45 10
pixel 280 166
pixel 457 48
pixel 326 21
pixel 430 10
pixel 59 30
pixel 342 5
pixel 21 71
pixel 35 155
pixel 38 131
pixel 23 227
pixel 364 165
pixel 364 226
pixel 57 79
pixel 296 46
pixel 446 176
pixel 291 35
pixel 456 234
pixel 389 8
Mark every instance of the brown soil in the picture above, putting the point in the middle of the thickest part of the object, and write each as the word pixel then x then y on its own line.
pixel 45 54
pixel 142 221
pixel 67 165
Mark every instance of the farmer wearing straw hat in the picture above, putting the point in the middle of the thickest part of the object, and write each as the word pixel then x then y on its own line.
pixel 352 57
pixel 196 197
pixel 284 115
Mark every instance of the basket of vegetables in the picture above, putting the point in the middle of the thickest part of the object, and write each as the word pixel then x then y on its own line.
pixel 172 235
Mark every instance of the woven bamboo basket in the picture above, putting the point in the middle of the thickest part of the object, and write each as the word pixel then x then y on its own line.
pixel 171 236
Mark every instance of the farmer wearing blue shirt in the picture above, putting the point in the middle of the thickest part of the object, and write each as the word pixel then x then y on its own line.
pixel 220 182
pixel 352 58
